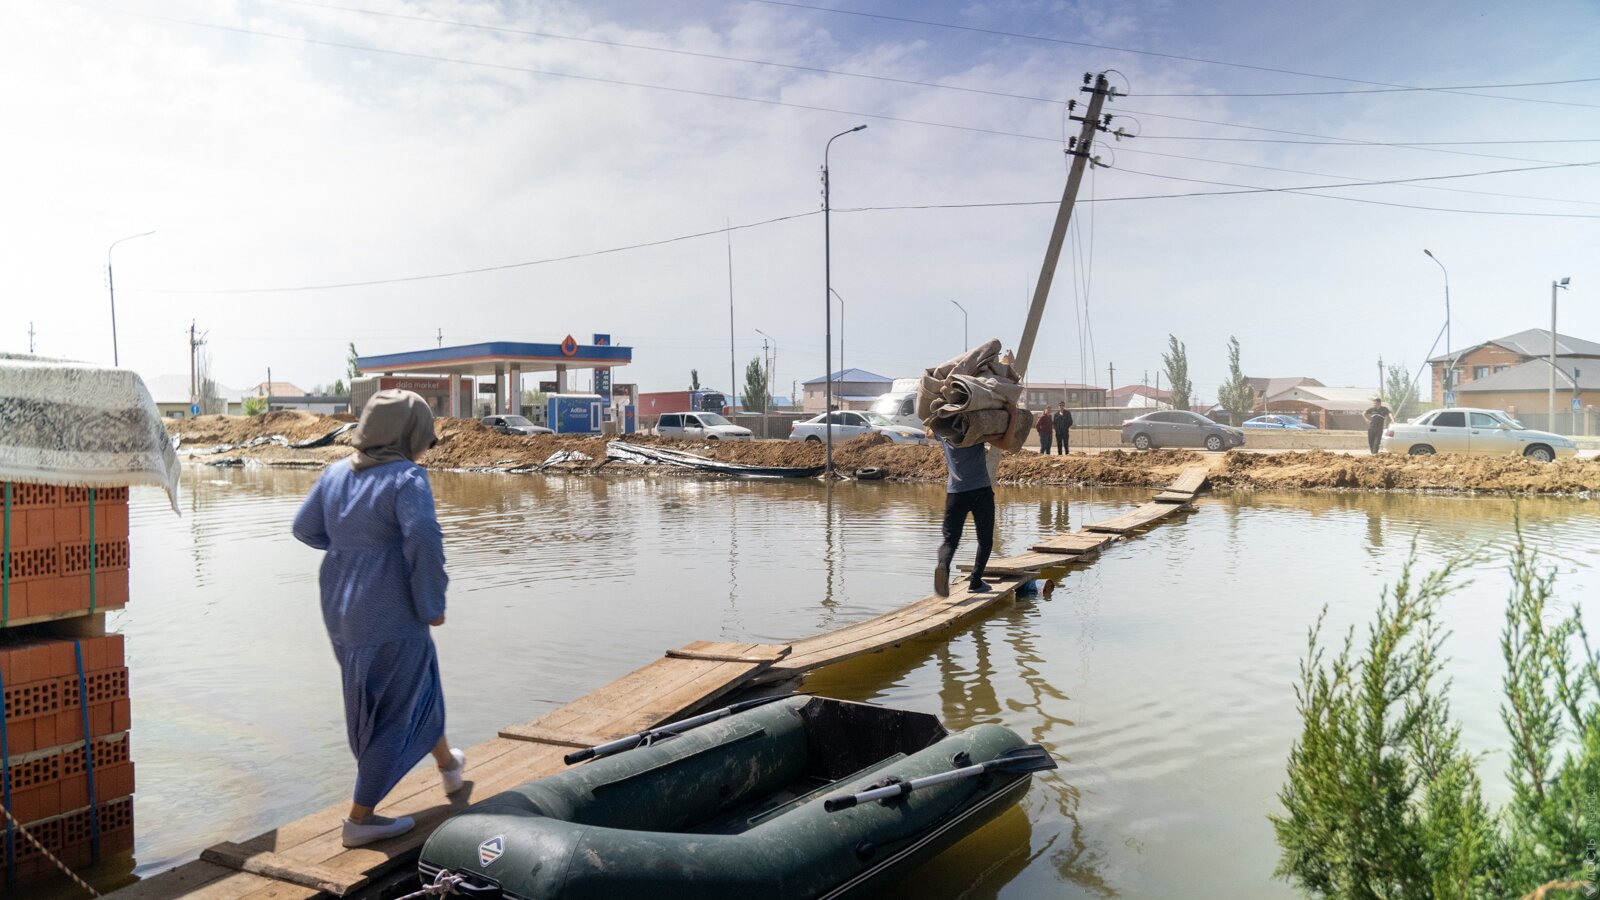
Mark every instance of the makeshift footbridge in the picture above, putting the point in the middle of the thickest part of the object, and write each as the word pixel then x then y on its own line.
pixel 305 858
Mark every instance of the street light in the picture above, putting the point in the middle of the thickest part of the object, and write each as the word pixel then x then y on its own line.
pixel 1554 286
pixel 111 286
pixel 1450 363
pixel 827 304
pixel 963 324
pixel 841 337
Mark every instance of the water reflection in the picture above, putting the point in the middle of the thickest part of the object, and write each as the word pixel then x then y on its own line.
pixel 1159 674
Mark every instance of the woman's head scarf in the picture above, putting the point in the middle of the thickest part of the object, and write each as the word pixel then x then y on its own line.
pixel 394 425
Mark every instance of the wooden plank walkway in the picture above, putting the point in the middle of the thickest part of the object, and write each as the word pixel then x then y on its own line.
pixel 305 859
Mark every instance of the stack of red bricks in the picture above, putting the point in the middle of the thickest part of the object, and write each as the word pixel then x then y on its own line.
pixel 51 552
pixel 65 685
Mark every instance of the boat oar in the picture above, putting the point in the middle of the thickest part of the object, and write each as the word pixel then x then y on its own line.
pixel 1032 758
pixel 645 738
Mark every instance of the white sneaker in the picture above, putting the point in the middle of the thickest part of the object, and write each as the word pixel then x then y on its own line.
pixel 376 828
pixel 453 778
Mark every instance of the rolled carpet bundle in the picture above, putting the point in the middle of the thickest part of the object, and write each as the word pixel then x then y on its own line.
pixel 973 399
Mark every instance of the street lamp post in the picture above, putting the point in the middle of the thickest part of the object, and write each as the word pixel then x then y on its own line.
pixel 111 286
pixel 841 337
pixel 1450 362
pixel 1554 286
pixel 827 303
pixel 963 325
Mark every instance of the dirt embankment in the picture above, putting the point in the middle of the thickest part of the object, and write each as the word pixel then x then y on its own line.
pixel 466 444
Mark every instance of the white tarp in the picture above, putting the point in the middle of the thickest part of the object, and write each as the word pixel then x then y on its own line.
pixel 75 424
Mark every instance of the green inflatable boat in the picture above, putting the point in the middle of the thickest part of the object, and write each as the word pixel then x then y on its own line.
pixel 796 797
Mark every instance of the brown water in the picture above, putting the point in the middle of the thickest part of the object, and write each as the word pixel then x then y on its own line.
pixel 1161 674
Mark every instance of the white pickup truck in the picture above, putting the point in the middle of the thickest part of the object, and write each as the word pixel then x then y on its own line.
pixel 1478 432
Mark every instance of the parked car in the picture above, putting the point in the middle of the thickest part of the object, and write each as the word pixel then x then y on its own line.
pixel 1179 428
pixel 701 426
pixel 849 423
pixel 1478 432
pixel 514 425
pixel 1291 423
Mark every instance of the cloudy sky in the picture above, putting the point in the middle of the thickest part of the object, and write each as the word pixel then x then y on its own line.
pixel 280 147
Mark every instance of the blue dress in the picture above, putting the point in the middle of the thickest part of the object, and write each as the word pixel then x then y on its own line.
pixel 382 582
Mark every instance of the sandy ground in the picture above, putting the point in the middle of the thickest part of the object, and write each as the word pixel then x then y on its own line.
pixel 466 444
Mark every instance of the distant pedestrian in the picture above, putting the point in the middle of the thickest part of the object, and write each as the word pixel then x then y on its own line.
pixel 1046 427
pixel 383 586
pixel 1511 412
pixel 967 491
pixel 1378 418
pixel 1062 421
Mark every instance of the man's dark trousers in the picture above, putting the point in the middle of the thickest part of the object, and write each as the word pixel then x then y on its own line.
pixel 956 506
pixel 1044 442
pixel 1374 439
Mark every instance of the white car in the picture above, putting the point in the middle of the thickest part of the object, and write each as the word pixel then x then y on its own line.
pixel 701 426
pixel 514 425
pixel 1478 432
pixel 848 424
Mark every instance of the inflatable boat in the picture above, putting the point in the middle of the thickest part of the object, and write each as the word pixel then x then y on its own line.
pixel 800 797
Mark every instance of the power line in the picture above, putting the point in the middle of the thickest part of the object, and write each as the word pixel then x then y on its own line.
pixel 1243 189
pixel 700 54
pixel 1400 90
pixel 720 95
pixel 1431 187
pixel 506 67
pixel 478 271
pixel 1173 56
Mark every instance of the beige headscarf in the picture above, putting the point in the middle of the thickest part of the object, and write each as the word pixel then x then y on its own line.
pixel 394 425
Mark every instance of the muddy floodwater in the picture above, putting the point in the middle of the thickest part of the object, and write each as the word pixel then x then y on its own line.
pixel 1161 674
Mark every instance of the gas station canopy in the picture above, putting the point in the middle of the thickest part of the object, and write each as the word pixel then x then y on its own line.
pixel 497 357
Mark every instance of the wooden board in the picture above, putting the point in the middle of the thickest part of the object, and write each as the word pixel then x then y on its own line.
pixel 682 680
pixel 1190 481
pixel 1172 497
pixel 271 865
pixel 1024 564
pixel 1148 514
pixel 1071 542
pixel 890 629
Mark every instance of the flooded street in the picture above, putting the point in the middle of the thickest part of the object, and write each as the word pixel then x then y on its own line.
pixel 1161 674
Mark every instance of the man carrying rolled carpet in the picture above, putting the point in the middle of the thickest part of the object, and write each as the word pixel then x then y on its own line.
pixel 967 491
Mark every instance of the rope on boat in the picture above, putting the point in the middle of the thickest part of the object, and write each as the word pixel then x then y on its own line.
pixel 443 883
pixel 47 854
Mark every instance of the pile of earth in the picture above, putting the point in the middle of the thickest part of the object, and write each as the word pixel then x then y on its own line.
pixel 1319 469
pixel 295 425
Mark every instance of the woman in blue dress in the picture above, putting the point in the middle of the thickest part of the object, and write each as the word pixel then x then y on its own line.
pixel 383 586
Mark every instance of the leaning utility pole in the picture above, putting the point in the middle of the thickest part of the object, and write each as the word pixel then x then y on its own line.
pixel 30 337
pixel 1079 149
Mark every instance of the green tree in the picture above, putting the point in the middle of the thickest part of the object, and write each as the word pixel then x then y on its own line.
pixel 1381 800
pixel 351 371
pixel 756 395
pixel 1236 395
pixel 694 379
pixel 1176 360
pixel 255 405
pixel 339 388
pixel 1400 393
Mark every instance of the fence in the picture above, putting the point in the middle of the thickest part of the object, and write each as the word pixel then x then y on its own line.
pixel 1576 423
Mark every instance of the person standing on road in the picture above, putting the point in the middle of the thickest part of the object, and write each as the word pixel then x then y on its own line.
pixel 967 491
pixel 1062 421
pixel 1378 418
pixel 383 586
pixel 1045 427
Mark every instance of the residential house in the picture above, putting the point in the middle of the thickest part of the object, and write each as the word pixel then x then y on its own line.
pixel 171 394
pixel 1523 349
pixel 1140 396
pixel 1040 394
pixel 852 389
pixel 1323 406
